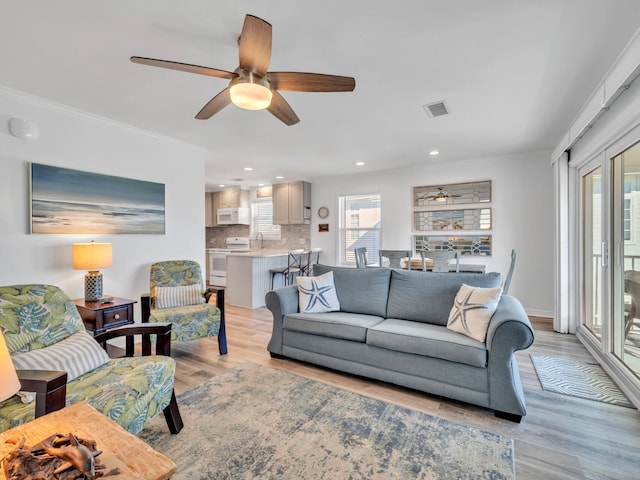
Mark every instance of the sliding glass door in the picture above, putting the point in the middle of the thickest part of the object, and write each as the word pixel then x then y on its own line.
pixel 610 256
pixel 593 262
pixel 625 326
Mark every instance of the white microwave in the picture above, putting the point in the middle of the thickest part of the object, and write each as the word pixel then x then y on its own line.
pixel 233 216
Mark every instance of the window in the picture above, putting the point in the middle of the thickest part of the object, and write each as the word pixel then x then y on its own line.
pixel 627 216
pixel 359 226
pixel 262 220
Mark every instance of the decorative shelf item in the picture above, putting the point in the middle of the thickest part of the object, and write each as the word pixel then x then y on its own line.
pixel 476 245
pixel 452 194
pixel 438 222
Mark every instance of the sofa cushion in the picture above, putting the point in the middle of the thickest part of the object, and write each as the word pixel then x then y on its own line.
pixel 472 310
pixel 348 326
pixel 190 322
pixel 317 294
pixel 428 340
pixel 427 296
pixel 360 290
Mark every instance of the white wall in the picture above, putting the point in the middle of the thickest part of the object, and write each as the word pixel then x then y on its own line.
pixel 522 189
pixel 74 140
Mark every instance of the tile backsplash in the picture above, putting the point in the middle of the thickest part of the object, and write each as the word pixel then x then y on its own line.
pixel 293 236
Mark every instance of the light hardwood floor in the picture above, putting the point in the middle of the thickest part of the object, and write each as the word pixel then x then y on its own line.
pixel 560 438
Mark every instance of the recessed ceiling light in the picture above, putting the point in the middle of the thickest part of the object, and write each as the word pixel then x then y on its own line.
pixel 221 185
pixel 359 164
pixel 279 177
pixel 248 169
pixel 261 184
pixel 434 152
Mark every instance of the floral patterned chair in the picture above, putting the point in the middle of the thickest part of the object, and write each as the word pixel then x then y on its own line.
pixel 43 331
pixel 177 296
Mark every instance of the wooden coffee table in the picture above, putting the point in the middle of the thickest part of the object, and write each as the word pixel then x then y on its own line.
pixel 131 456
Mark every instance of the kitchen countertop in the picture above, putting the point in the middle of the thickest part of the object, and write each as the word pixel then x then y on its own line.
pixel 260 253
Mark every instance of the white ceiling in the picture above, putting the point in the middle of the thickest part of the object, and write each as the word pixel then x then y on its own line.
pixel 513 73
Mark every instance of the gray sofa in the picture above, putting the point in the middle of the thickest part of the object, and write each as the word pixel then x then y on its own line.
pixel 392 327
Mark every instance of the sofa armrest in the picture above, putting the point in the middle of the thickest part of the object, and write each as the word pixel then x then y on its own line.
pixel 49 386
pixel 509 330
pixel 280 302
pixel 161 330
pixel 510 310
pixel 219 292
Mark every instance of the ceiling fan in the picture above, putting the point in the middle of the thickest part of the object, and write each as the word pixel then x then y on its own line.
pixel 440 196
pixel 251 86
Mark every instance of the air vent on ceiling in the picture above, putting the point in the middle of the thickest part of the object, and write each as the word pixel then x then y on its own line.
pixel 436 109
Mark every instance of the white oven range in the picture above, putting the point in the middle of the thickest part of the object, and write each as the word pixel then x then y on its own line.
pixel 217 259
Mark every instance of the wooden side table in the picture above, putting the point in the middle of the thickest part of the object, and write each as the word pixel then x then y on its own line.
pixel 133 459
pixel 100 317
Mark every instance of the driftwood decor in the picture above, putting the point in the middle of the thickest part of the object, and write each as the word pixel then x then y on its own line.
pixel 57 457
pixel 125 455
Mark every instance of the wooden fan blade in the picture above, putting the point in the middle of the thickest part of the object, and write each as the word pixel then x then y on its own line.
pixel 310 82
pixel 214 105
pixel 255 45
pixel 184 67
pixel 282 110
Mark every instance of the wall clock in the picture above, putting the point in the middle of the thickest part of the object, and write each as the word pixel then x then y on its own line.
pixel 323 212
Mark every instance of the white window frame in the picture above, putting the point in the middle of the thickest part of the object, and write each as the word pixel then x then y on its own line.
pixel 348 258
pixel 262 220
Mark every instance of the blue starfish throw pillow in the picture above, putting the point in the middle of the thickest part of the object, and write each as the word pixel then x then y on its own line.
pixel 472 310
pixel 317 294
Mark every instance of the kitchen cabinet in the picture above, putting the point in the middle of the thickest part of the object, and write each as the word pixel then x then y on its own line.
pixel 210 208
pixel 291 203
pixel 233 198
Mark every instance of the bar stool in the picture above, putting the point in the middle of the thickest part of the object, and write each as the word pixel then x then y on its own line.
pixel 294 267
pixel 313 258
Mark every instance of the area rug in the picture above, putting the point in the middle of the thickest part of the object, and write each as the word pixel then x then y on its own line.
pixel 578 379
pixel 255 422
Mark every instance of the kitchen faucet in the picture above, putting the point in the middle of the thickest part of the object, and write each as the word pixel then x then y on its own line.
pixel 261 240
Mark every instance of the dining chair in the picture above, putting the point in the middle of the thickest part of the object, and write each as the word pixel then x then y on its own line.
pixel 440 260
pixel 361 258
pixel 632 288
pixel 507 280
pixel 395 257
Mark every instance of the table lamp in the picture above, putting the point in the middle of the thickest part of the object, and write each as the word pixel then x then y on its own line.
pixel 9 383
pixel 92 256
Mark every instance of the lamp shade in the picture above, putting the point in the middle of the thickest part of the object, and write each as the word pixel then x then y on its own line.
pixel 9 383
pixel 91 256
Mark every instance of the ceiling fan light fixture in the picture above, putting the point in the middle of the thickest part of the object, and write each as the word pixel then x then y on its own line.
pixel 440 197
pixel 250 92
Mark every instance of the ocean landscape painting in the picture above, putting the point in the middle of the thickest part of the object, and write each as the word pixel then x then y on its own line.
pixel 72 201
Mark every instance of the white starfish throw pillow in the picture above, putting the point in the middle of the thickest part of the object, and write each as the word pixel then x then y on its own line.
pixel 472 310
pixel 317 294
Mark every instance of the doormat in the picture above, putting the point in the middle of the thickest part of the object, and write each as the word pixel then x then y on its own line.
pixel 258 422
pixel 578 379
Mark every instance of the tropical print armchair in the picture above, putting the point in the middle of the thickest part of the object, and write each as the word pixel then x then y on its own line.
pixel 177 296
pixel 42 327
